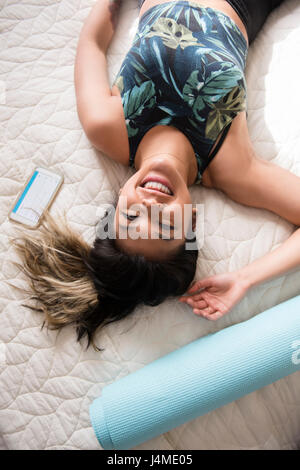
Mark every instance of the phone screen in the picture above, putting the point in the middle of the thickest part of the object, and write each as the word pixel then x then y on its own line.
pixel 35 197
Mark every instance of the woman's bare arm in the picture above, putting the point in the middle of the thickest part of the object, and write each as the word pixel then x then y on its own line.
pixel 95 104
pixel 249 180
pixel 220 293
pixel 279 261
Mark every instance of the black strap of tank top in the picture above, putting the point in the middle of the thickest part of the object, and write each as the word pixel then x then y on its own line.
pixel 218 146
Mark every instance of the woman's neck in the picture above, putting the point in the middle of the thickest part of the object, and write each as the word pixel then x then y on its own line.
pixel 173 144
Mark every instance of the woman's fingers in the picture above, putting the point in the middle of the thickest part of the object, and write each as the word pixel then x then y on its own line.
pixel 204 312
pixel 193 298
pixel 197 304
pixel 214 302
pixel 202 308
pixel 200 285
pixel 197 297
pixel 205 306
pixel 216 315
pixel 210 314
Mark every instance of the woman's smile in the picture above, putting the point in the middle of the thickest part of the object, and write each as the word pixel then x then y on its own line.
pixel 157 183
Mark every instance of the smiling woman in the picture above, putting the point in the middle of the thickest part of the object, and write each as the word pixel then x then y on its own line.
pixel 177 114
pixel 158 187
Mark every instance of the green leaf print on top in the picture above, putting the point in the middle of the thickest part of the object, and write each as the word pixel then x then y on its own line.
pixel 220 82
pixel 136 100
pixel 172 33
pixel 192 94
pixel 216 83
pixel 185 69
pixel 224 111
pixel 119 82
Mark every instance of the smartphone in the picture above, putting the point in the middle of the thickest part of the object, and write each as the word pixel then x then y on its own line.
pixel 37 195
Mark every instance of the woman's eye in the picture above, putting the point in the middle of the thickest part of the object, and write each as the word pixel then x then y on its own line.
pixel 130 216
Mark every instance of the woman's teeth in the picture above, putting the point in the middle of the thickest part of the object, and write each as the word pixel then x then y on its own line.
pixel 159 186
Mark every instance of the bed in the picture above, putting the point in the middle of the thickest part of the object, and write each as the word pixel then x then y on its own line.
pixel 47 379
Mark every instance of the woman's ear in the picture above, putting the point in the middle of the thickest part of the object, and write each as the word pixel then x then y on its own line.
pixel 194 218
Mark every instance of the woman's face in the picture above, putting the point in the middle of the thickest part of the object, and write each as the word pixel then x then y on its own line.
pixel 149 221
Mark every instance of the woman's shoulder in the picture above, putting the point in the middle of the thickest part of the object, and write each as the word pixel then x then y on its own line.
pixel 234 155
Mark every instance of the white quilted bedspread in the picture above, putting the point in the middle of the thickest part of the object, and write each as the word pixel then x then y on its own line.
pixel 47 379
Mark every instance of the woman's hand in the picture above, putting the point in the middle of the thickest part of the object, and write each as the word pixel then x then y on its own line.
pixel 220 293
pixel 218 296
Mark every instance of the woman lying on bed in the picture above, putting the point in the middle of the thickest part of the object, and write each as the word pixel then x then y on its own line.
pixel 177 114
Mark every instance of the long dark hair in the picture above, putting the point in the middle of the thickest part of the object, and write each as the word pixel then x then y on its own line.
pixel 90 287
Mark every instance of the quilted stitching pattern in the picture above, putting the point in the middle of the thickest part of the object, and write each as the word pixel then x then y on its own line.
pixel 48 380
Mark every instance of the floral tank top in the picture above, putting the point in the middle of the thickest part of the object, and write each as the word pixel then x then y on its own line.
pixel 185 68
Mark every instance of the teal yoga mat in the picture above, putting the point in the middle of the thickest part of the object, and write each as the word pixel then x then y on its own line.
pixel 199 377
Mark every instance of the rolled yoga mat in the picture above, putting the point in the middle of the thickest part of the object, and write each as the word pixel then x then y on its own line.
pixel 208 373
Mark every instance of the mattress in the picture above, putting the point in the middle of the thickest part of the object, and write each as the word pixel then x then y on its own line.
pixel 47 379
